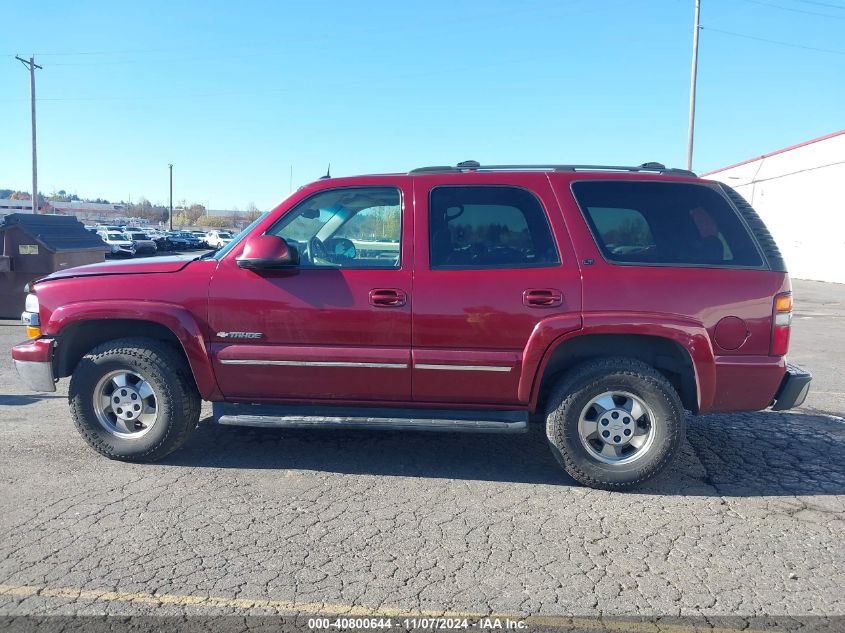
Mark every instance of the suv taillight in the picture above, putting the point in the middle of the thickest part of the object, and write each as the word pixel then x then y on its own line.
pixel 781 322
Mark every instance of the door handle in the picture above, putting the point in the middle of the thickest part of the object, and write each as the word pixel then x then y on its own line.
pixel 388 298
pixel 542 298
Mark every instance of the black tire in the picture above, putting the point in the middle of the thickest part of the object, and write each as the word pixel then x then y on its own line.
pixel 177 400
pixel 575 390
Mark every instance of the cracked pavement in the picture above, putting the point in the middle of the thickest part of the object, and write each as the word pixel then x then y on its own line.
pixel 749 521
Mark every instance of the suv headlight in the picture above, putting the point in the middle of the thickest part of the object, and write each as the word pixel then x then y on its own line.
pixel 31 317
pixel 31 303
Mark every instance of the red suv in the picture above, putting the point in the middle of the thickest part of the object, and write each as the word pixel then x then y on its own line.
pixel 602 300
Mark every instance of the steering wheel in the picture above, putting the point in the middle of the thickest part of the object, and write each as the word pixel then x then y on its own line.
pixel 341 249
pixel 317 250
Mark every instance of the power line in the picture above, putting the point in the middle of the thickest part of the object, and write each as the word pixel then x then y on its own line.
pixel 134 51
pixel 755 180
pixel 794 10
pixel 124 52
pixel 416 26
pixel 430 71
pixel 823 4
pixel 778 42
pixel 171 59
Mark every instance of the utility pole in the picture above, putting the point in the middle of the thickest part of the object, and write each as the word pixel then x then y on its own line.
pixel 31 65
pixel 693 75
pixel 171 195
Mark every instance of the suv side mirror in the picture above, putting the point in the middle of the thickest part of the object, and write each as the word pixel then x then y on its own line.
pixel 266 252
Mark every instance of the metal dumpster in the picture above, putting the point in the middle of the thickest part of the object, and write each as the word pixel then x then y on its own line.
pixel 37 245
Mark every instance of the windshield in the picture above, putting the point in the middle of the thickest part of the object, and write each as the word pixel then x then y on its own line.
pixel 222 252
pixel 225 236
pixel 138 236
pixel 115 237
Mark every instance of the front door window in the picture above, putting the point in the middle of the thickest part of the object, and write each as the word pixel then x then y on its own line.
pixel 354 227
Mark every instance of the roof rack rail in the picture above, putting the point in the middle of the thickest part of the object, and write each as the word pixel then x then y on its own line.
pixel 472 165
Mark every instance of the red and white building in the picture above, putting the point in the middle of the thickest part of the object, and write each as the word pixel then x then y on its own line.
pixel 799 192
pixel 7 206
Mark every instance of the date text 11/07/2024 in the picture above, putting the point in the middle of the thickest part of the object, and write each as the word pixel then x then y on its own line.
pixel 376 623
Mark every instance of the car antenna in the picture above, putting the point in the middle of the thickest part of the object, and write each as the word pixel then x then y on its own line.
pixel 328 172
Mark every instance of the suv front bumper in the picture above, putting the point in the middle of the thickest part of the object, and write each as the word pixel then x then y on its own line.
pixel 793 388
pixel 145 246
pixel 118 249
pixel 34 364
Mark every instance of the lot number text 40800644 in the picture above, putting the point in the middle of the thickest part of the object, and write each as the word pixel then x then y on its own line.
pixel 485 623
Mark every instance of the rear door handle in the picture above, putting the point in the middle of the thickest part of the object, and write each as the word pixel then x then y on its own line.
pixel 542 298
pixel 388 298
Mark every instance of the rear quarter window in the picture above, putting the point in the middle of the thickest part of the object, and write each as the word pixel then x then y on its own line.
pixel 665 223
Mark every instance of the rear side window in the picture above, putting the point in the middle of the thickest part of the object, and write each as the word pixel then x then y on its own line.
pixel 665 223
pixel 488 227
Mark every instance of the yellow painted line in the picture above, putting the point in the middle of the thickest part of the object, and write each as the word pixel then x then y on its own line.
pixel 326 608
pixel 282 606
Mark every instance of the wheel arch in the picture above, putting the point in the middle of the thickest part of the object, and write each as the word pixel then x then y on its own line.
pixel 665 353
pixel 78 328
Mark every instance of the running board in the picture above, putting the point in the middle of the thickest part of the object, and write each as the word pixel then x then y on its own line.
pixel 322 417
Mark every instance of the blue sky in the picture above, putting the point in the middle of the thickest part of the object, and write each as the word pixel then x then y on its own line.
pixel 234 93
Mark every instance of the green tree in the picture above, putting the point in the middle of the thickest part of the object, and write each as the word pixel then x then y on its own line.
pixel 180 220
pixel 251 213
pixel 215 222
pixel 194 212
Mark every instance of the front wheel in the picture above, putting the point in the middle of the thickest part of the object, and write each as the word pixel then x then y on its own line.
pixel 614 423
pixel 133 399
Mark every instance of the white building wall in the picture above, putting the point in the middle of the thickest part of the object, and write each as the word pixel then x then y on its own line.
pixel 8 206
pixel 800 194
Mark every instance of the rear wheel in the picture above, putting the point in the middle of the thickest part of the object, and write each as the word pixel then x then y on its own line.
pixel 133 399
pixel 614 423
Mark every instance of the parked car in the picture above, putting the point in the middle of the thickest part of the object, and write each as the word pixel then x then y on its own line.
pixel 200 235
pixel 190 240
pixel 117 243
pixel 142 242
pixel 603 301
pixel 178 241
pixel 160 238
pixel 194 240
pixel 218 239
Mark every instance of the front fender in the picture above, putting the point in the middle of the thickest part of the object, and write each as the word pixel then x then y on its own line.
pixel 691 335
pixel 174 317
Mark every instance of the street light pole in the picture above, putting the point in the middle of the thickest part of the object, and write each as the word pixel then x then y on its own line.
pixel 31 65
pixel 171 195
pixel 693 76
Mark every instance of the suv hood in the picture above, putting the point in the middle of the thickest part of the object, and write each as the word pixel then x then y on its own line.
pixel 170 264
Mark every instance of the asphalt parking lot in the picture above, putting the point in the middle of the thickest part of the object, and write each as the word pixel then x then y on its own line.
pixel 750 520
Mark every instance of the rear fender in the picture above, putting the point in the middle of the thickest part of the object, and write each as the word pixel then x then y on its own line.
pixel 689 334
